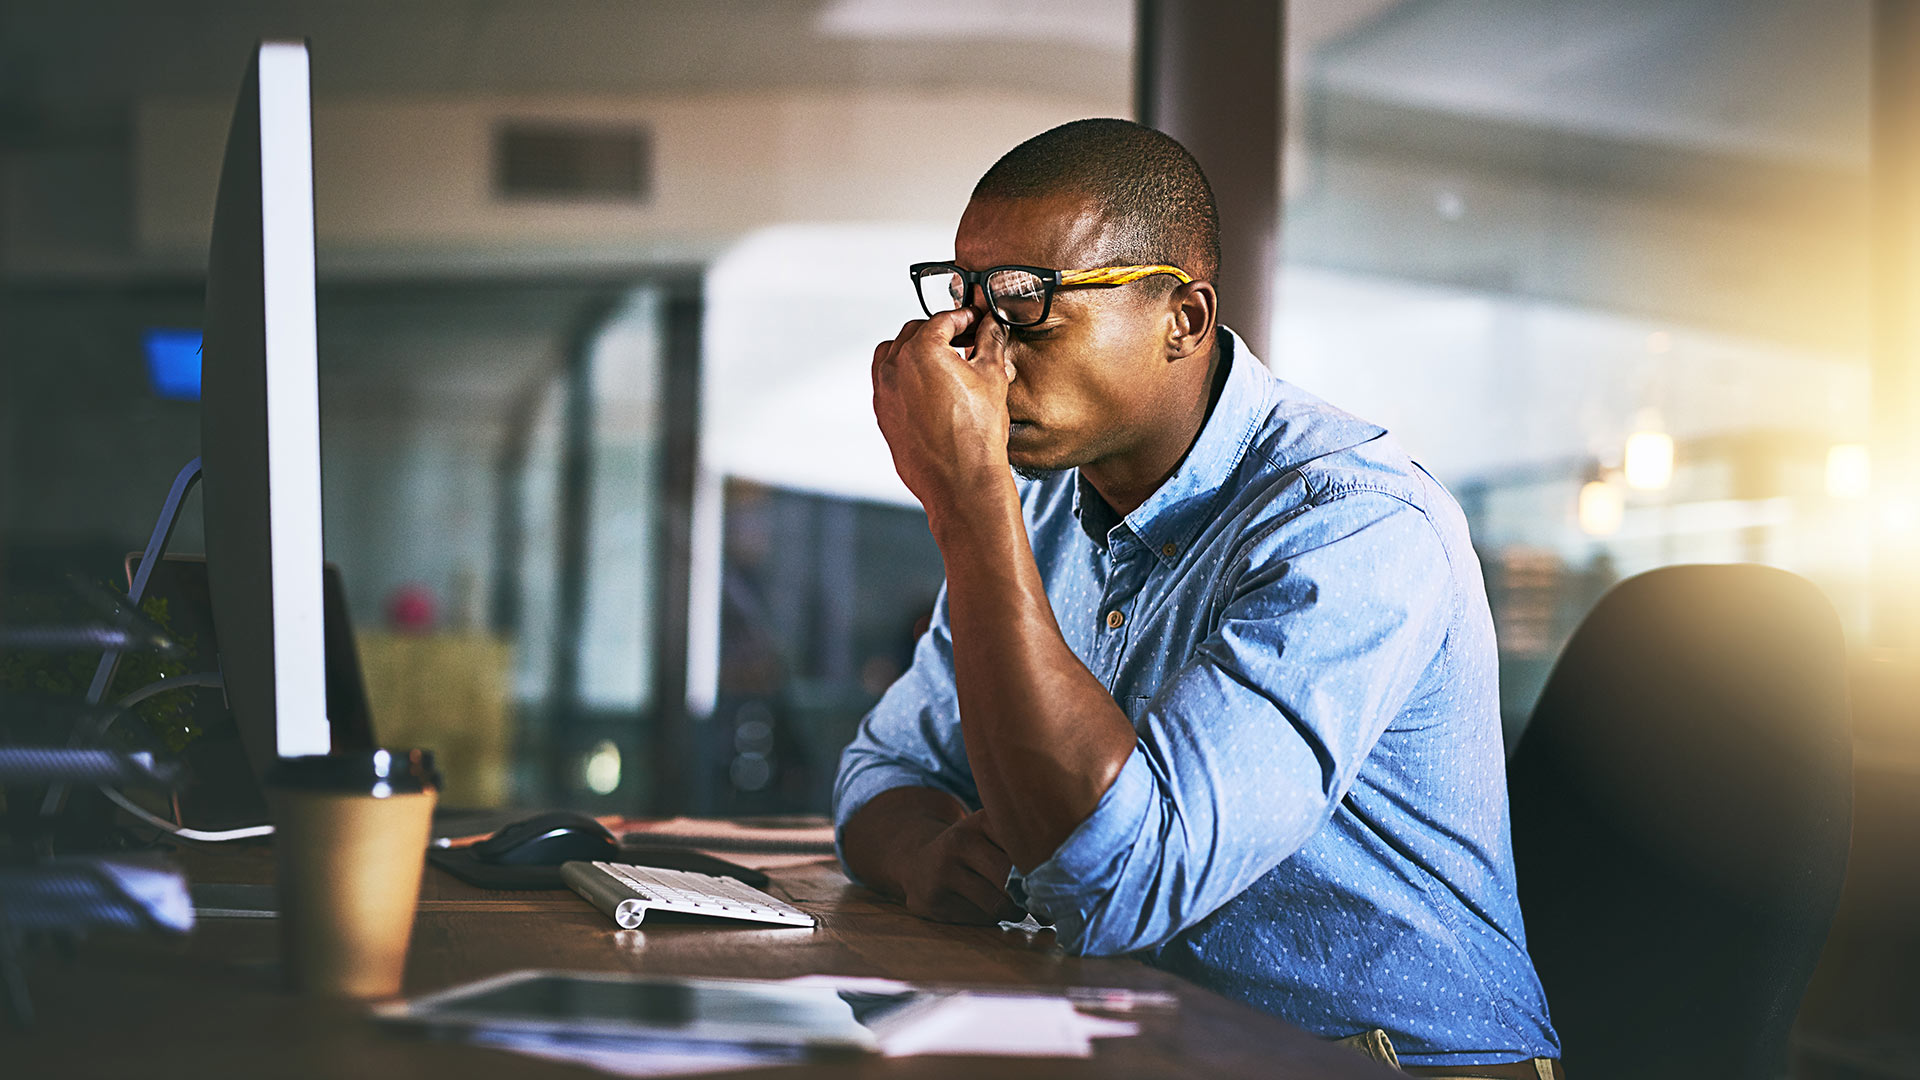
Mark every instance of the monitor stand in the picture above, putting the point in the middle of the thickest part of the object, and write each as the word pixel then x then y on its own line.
pixel 95 726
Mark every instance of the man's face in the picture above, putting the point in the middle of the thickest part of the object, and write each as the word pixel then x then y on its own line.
pixel 1093 381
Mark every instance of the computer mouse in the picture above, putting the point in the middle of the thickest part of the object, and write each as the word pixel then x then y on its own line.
pixel 548 840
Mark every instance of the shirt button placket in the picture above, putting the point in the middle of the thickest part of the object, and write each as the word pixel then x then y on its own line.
pixel 1122 587
pixel 1112 638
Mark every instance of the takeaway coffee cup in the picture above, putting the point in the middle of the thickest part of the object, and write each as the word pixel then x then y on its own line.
pixel 350 839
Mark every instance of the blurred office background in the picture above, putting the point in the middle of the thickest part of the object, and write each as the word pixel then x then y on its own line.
pixel 599 280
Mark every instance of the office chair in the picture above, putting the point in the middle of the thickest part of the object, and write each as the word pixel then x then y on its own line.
pixel 1682 802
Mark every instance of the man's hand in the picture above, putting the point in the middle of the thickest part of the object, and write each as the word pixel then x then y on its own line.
pixel 940 394
pixel 961 876
pixel 924 848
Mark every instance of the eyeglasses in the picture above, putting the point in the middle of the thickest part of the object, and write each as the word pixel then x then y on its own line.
pixel 1017 295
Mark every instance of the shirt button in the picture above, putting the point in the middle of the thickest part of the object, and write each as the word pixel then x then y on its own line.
pixel 1115 620
pixel 1169 550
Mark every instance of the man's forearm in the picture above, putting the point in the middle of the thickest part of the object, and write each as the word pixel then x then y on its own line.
pixel 1043 736
pixel 880 835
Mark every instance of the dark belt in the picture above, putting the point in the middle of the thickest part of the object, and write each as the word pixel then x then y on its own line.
pixel 1513 1070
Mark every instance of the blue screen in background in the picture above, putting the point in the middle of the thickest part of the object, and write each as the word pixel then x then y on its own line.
pixel 173 362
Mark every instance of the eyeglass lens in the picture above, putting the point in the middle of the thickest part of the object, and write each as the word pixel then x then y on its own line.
pixel 940 290
pixel 1019 297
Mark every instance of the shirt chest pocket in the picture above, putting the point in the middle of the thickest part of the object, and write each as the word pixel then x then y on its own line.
pixel 1135 706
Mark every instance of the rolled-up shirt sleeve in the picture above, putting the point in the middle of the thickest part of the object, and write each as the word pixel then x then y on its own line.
pixel 1330 618
pixel 912 737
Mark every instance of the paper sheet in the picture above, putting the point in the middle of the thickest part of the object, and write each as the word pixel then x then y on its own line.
pixel 1018 1026
pixel 972 1023
pixel 802 837
pixel 981 1022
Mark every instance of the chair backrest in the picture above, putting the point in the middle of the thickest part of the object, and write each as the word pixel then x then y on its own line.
pixel 1682 802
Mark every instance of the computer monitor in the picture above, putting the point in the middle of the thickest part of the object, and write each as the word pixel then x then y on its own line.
pixel 260 417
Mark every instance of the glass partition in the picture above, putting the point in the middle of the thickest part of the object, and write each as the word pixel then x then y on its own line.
pixel 1602 268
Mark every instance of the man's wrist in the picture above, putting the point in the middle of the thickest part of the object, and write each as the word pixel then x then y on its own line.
pixel 984 510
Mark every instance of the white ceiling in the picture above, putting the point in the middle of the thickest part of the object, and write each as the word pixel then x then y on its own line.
pixel 78 63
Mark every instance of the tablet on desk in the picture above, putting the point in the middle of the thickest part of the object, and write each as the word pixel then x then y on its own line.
pixel 737 1012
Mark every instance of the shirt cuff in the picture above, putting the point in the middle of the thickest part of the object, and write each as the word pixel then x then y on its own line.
pixel 1083 871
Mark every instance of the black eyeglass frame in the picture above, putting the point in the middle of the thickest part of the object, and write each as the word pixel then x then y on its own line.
pixel 1049 279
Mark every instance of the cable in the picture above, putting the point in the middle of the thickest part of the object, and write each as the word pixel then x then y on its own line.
pixel 180 682
pixel 181 831
pixel 161 686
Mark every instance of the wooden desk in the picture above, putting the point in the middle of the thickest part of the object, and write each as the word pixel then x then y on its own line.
pixel 210 1006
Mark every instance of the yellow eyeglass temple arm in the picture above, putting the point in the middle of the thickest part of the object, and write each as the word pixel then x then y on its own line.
pixel 1120 275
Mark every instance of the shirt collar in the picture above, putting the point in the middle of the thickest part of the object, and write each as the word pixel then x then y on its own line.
pixel 1175 511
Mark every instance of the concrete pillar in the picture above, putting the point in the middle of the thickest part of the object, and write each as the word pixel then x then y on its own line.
pixel 676 765
pixel 1208 73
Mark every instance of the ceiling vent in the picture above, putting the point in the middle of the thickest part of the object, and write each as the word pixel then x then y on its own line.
pixel 572 162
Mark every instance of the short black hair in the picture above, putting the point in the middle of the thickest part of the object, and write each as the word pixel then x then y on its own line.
pixel 1148 186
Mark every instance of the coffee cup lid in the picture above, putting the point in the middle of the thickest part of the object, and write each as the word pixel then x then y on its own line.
pixel 372 772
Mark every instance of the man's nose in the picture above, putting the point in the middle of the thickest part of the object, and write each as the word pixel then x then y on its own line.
pixel 989 341
pixel 977 300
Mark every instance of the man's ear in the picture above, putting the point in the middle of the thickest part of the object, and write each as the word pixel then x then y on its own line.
pixel 1196 307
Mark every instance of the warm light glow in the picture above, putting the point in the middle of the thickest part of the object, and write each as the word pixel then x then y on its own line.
pixel 1602 508
pixel 603 768
pixel 1900 517
pixel 1849 471
pixel 1649 460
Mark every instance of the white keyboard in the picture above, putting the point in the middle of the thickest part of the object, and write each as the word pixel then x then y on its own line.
pixel 627 893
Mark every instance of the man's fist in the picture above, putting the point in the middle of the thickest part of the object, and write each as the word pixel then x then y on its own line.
pixel 940 396
pixel 961 876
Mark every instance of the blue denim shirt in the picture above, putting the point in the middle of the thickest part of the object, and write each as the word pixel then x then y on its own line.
pixel 1314 818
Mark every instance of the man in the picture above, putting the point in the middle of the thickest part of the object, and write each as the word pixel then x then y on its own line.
pixel 1217 685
